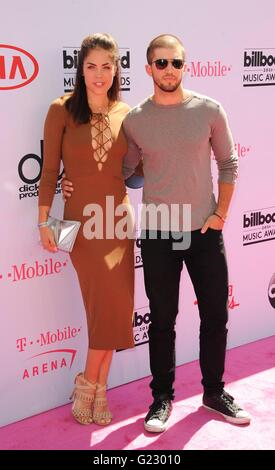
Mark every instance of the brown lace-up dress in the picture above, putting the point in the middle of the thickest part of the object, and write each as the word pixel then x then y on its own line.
pixel 92 156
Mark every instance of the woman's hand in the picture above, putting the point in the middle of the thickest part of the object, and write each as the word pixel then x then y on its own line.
pixel 139 169
pixel 47 239
pixel 67 188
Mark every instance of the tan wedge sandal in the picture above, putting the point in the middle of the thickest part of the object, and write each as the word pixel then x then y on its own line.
pixel 83 399
pixel 101 413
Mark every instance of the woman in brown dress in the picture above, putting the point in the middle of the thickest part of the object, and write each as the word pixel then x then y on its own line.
pixel 84 129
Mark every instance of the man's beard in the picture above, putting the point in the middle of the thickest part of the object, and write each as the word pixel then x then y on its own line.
pixel 168 88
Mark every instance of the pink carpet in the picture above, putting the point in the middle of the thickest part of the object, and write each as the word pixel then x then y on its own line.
pixel 250 378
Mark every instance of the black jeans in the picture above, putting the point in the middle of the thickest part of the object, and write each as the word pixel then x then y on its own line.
pixel 206 264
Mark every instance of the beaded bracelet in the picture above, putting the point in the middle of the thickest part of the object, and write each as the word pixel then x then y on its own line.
pixel 220 217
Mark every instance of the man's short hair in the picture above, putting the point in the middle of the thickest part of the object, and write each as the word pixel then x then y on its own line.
pixel 164 40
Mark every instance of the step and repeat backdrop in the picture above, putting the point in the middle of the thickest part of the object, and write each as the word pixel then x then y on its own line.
pixel 230 57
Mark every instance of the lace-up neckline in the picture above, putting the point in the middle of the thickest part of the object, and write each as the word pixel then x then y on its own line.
pixel 101 136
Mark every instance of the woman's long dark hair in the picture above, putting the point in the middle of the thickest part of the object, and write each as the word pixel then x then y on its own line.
pixel 77 104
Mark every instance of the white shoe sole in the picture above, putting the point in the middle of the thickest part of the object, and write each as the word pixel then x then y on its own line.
pixel 152 428
pixel 230 419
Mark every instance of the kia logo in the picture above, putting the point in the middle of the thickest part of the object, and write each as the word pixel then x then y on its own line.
pixel 17 67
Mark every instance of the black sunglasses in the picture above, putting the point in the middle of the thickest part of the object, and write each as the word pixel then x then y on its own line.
pixel 161 64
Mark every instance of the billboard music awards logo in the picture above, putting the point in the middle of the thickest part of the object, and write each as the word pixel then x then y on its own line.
pixel 29 171
pixel 70 58
pixel 259 67
pixel 259 226
pixel 18 67
pixel 271 291
pixel 141 323
pixel 50 360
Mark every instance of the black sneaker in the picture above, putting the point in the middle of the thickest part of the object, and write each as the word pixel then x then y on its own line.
pixel 224 404
pixel 158 414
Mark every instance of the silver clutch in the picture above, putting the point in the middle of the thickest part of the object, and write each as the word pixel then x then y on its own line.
pixel 65 232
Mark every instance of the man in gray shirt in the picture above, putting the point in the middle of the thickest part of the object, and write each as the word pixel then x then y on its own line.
pixel 173 132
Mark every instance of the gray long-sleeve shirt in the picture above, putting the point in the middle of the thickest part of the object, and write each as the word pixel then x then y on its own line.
pixel 175 143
